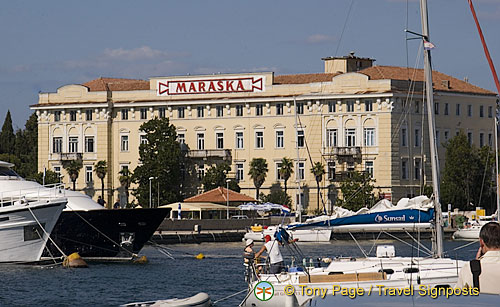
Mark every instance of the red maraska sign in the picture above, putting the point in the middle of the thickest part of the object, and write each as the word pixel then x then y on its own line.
pixel 210 86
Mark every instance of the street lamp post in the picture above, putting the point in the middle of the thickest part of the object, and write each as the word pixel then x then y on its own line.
pixel 150 178
pixel 227 197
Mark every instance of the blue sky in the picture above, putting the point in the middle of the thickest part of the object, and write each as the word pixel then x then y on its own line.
pixel 47 44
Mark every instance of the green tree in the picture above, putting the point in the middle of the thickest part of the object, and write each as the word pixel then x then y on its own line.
pixel 277 197
pixel 73 168
pixel 7 137
pixel 216 176
pixel 286 170
pixel 51 177
pixel 26 148
pixel 258 172
pixel 160 157
pixel 466 177
pixel 318 170
pixel 125 180
pixel 101 169
pixel 357 191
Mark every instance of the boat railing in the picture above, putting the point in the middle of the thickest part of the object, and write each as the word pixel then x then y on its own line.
pixel 20 196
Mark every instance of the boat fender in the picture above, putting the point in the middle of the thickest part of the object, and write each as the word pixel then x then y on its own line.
pixel 386 271
pixel 74 261
pixel 140 260
pixel 200 256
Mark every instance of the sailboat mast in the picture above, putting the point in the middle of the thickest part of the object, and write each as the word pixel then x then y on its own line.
pixel 299 203
pixel 438 251
pixel 496 168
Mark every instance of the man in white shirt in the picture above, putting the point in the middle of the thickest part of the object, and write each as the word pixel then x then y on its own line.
pixel 487 265
pixel 273 253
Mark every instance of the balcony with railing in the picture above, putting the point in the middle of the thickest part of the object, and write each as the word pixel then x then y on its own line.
pixel 66 156
pixel 224 154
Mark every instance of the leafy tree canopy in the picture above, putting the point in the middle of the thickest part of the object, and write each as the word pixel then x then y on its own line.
pixel 50 177
pixel 160 158
pixel 277 197
pixel 7 137
pixel 357 191
pixel 216 177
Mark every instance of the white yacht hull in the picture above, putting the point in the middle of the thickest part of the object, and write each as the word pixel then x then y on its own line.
pixel 467 234
pixel 302 235
pixel 431 273
pixel 21 239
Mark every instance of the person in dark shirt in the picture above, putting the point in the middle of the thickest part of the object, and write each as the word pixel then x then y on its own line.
pixel 117 204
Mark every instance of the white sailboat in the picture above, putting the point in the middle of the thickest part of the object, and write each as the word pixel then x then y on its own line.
pixel 385 269
pixel 27 218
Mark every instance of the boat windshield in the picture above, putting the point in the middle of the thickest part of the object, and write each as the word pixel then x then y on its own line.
pixel 5 171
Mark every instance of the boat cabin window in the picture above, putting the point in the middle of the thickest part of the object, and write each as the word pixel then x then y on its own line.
pixel 5 171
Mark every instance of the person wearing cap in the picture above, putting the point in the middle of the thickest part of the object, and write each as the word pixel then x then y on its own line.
pixel 273 253
pixel 248 253
pixel 483 273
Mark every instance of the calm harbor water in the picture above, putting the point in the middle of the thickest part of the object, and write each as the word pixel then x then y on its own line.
pixel 219 274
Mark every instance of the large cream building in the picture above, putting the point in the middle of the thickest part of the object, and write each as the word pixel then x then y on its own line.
pixel 354 116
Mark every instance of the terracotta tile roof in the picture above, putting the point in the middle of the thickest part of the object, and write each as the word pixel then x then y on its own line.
pixel 116 84
pixel 304 78
pixel 219 195
pixel 442 82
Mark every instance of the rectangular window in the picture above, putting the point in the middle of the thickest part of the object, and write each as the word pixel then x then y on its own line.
pixel 144 113
pixel 89 144
pixel 72 116
pixel 350 137
pixel 57 116
pixel 350 166
pixel 417 138
pixel 490 111
pixel 404 169
pixel 350 106
pixel 124 143
pixel 278 168
pixel 200 111
pixel 369 134
pixel 219 140
pixel 73 144
pixel 331 106
pixel 417 169
pixel 57 145
pixel 446 136
pixel 481 139
pixel 259 139
pixel 446 109
pixel 438 142
pixel 280 139
pixel 301 173
pixel 469 137
pixel 481 111
pixel 279 109
pixel 436 108
pixel 457 110
pixel 161 112
pixel 404 137
pixel 201 171
pixel 239 140
pixel 259 110
pixel 300 138
pixel 57 170
pixel 239 110
pixel 368 106
pixel 124 114
pixel 469 110
pixel 143 139
pixel 331 137
pixel 417 106
pixel 88 115
pixel 181 138
pixel 219 111
pixel 180 112
pixel 299 109
pixel 490 139
pixel 331 170
pixel 239 171
pixel 200 141
pixel 369 168
pixel 88 174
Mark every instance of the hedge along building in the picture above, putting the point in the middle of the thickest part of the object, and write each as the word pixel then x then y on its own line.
pixel 354 116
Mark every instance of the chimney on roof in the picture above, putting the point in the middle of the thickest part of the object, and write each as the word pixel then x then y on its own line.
pixel 345 64
pixel 445 83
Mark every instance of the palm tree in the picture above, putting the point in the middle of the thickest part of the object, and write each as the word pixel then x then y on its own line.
pixel 101 168
pixel 258 172
pixel 125 180
pixel 73 168
pixel 318 170
pixel 286 170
